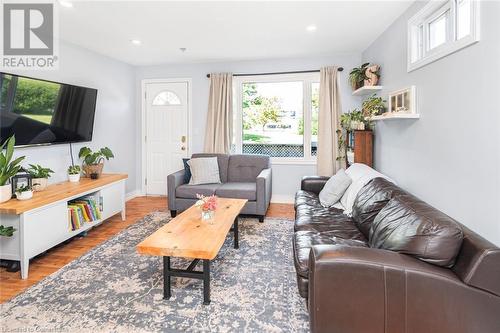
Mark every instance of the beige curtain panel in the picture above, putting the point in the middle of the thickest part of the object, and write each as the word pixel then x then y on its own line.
pixel 219 129
pixel 328 122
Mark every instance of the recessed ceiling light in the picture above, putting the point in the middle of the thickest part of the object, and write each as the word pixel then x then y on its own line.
pixel 311 28
pixel 66 4
pixel 135 41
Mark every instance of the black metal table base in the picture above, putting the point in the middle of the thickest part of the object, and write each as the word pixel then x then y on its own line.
pixel 189 272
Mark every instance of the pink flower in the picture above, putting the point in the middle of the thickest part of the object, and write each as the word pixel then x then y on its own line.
pixel 206 203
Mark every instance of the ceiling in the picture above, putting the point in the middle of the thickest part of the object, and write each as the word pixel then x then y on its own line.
pixel 224 31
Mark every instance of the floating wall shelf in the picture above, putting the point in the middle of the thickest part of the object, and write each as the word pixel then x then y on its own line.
pixel 366 90
pixel 389 116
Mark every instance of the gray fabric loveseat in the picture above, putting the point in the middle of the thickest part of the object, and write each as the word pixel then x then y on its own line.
pixel 242 176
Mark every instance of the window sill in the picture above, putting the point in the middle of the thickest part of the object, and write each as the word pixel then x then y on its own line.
pixel 278 161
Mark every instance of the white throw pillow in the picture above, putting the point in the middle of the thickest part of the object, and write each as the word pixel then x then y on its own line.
pixel 204 170
pixel 360 174
pixel 334 188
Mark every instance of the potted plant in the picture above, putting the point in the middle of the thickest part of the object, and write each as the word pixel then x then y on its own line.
pixel 357 76
pixel 74 173
pixel 40 176
pixel 8 168
pixel 373 106
pixel 93 162
pixel 6 231
pixel 24 192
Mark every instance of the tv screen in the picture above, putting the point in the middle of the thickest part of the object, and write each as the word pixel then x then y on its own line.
pixel 41 112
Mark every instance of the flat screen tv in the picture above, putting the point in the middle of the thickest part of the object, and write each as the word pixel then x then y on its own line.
pixel 40 112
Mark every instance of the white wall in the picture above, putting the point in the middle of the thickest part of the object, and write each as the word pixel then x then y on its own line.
pixel 286 178
pixel 450 157
pixel 114 124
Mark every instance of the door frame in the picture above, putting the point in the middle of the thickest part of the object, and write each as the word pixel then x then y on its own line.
pixel 144 82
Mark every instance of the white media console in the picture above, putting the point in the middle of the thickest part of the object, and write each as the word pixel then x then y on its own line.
pixel 43 222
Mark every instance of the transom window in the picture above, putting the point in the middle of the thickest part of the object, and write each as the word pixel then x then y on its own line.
pixel 441 28
pixel 166 98
pixel 277 115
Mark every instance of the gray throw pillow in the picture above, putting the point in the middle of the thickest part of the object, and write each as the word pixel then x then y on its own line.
pixel 204 170
pixel 334 188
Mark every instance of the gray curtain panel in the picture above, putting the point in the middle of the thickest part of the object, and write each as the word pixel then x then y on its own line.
pixel 328 122
pixel 219 129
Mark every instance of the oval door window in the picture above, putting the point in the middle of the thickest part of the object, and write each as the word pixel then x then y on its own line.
pixel 166 98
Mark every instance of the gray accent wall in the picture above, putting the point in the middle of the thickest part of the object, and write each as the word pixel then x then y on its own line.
pixel 114 124
pixel 286 177
pixel 450 157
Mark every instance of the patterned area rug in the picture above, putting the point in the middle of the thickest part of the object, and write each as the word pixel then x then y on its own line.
pixel 113 289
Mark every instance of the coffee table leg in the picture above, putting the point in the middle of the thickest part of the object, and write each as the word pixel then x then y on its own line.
pixel 206 282
pixel 235 230
pixel 166 278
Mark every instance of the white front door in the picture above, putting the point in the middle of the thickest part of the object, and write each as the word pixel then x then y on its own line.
pixel 166 137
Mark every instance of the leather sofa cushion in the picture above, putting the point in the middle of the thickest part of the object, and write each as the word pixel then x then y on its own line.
pixel 190 191
pixel 370 200
pixel 246 168
pixel 306 198
pixel 410 226
pixel 303 240
pixel 238 190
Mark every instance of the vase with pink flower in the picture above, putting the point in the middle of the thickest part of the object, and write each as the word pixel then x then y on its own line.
pixel 207 205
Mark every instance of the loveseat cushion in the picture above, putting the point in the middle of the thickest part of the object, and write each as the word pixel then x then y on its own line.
pixel 246 168
pixel 222 160
pixel 410 226
pixel 189 191
pixel 370 200
pixel 306 198
pixel 305 239
pixel 238 190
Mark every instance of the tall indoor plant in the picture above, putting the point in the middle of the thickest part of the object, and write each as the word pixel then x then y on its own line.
pixel 93 162
pixel 8 168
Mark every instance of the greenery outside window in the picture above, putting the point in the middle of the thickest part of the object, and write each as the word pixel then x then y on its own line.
pixel 277 115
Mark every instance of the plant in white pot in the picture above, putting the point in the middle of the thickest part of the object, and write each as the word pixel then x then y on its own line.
pixel 40 176
pixel 24 192
pixel 74 173
pixel 8 168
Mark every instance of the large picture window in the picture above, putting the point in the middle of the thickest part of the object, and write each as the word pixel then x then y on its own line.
pixel 441 28
pixel 277 115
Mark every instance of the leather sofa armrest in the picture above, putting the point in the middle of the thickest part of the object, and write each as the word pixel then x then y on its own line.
pixel 264 190
pixel 357 289
pixel 313 184
pixel 174 180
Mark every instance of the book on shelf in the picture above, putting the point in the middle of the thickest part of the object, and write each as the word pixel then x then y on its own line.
pixel 83 210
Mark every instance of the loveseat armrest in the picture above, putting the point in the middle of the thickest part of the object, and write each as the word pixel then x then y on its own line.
pixel 264 190
pixel 358 289
pixel 174 180
pixel 313 184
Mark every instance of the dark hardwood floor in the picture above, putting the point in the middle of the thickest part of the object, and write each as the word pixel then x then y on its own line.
pixel 46 264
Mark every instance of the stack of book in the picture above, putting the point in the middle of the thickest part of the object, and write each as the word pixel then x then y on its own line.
pixel 83 210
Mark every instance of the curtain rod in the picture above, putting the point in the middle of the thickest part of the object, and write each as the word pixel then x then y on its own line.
pixel 340 69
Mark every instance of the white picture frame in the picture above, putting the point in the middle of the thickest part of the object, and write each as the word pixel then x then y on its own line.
pixel 403 101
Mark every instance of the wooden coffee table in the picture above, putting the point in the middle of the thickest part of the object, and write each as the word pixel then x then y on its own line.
pixel 187 236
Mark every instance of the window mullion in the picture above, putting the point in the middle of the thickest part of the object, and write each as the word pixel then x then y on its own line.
pixel 307 101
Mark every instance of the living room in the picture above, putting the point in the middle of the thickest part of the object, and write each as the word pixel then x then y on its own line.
pixel 331 166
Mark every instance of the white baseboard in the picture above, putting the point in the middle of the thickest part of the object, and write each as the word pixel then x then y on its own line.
pixel 283 198
pixel 133 194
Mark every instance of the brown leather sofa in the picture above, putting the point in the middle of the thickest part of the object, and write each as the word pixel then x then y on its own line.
pixel 398 265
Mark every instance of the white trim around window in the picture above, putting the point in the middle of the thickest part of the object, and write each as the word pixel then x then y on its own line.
pixel 307 80
pixel 419 51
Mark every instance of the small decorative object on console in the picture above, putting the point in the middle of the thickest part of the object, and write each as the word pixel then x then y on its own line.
pixel 22 178
pixel 74 173
pixel 403 101
pixel 39 175
pixel 24 192
pixel 208 205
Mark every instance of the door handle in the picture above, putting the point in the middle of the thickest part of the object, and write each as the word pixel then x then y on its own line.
pixel 183 148
pixel 183 138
